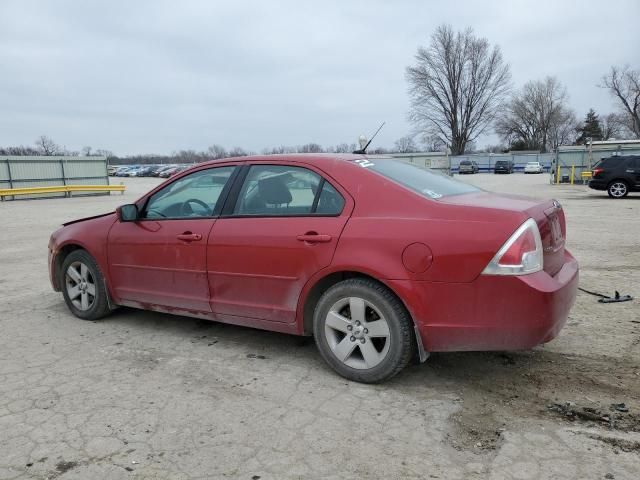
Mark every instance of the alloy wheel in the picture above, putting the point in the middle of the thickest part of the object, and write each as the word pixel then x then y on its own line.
pixel 80 285
pixel 357 333
pixel 618 190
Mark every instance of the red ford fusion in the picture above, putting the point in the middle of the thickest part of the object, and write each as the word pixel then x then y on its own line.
pixel 381 260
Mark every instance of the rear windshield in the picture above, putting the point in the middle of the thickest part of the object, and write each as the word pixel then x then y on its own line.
pixel 428 183
pixel 501 162
pixel 465 162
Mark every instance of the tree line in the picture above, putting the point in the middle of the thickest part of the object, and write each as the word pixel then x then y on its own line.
pixel 46 146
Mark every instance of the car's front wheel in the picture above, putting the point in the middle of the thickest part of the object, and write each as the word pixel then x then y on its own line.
pixel 83 286
pixel 363 331
pixel 618 189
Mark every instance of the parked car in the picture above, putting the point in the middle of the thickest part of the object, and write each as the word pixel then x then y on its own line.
pixel 503 166
pixel 533 167
pixel 167 172
pixel 379 259
pixel 617 175
pixel 161 169
pixel 468 166
pixel 122 171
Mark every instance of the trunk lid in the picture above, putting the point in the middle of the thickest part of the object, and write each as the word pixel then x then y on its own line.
pixel 548 215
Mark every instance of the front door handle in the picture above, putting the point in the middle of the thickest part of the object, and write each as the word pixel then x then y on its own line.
pixel 314 238
pixel 189 237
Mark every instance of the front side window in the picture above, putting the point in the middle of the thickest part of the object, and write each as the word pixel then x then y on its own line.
pixel 281 190
pixel 195 195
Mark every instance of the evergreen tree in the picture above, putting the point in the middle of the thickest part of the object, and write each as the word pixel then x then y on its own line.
pixel 590 128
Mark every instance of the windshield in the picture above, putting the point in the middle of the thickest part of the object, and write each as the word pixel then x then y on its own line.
pixel 428 183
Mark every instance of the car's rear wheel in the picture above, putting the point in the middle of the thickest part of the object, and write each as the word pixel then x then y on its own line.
pixel 83 286
pixel 618 189
pixel 363 331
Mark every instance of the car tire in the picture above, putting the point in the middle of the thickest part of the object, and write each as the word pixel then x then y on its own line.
pixel 83 286
pixel 618 189
pixel 369 346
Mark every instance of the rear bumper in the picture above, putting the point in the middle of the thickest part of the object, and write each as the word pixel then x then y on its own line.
pixel 597 184
pixel 492 312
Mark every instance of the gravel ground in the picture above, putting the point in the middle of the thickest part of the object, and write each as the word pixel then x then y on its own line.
pixel 146 395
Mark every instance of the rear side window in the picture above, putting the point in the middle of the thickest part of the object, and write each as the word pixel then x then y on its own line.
pixel 426 182
pixel 330 201
pixel 610 162
pixel 280 190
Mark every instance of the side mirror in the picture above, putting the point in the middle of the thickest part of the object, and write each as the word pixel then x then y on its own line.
pixel 128 213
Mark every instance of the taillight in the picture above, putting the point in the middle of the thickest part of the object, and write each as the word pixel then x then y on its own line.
pixel 521 254
pixel 596 171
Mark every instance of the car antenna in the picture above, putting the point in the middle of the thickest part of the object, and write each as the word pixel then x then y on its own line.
pixel 363 150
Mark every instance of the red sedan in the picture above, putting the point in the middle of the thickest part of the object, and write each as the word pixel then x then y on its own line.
pixel 380 260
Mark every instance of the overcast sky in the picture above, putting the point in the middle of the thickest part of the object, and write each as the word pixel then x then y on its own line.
pixel 158 76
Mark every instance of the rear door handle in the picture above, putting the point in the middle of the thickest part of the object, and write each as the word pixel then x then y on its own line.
pixel 189 237
pixel 314 238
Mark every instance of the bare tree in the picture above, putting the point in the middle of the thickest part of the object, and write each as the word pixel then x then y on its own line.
pixel 538 116
pixel 46 146
pixel 433 143
pixel 217 151
pixel 104 153
pixel 238 152
pixel 494 149
pixel 613 126
pixel 624 84
pixel 310 148
pixel 344 148
pixel 405 145
pixel 562 129
pixel 456 86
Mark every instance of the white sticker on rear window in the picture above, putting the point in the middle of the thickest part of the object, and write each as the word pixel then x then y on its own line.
pixel 431 193
pixel 363 162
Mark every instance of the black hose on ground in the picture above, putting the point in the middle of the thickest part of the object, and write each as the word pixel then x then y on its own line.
pixel 607 299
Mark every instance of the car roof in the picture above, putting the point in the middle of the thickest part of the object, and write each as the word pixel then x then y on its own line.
pixel 324 161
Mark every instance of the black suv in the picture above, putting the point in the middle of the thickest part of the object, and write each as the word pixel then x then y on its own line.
pixel 617 175
pixel 503 166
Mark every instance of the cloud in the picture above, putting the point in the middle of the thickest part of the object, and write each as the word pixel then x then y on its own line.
pixel 151 76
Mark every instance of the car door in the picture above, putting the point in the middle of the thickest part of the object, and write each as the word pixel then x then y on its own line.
pixel 633 171
pixel 160 259
pixel 282 227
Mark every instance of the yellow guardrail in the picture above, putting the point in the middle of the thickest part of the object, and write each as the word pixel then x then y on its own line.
pixel 586 175
pixel 66 189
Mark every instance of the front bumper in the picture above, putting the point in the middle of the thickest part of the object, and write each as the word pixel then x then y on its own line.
pixel 493 312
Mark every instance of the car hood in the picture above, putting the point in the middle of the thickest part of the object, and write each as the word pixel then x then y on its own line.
pixel 87 218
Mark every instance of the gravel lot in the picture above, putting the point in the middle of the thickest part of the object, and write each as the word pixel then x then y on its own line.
pixel 146 395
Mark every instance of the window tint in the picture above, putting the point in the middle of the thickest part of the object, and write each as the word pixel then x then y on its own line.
pixel 277 190
pixel 633 163
pixel 609 162
pixel 330 201
pixel 422 180
pixel 195 195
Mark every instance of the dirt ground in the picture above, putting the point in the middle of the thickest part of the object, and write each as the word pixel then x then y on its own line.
pixel 146 395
